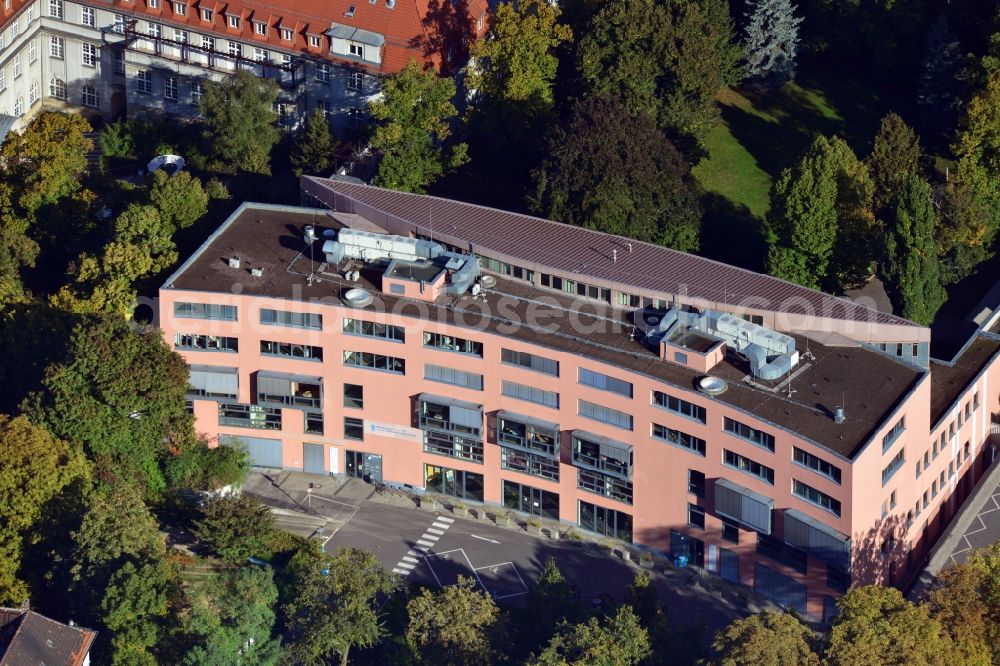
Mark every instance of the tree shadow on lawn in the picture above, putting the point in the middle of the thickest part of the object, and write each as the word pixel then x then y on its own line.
pixel 730 233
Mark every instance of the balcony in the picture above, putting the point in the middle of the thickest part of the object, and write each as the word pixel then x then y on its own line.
pixel 602 454
pixel 447 415
pixel 528 434
pixel 289 390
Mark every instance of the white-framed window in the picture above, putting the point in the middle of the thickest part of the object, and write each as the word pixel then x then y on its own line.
pixel 57 88
pixel 355 119
pixel 56 46
pixel 17 65
pixel 18 106
pixel 30 13
pixel 170 88
pixel 153 4
pixel 180 36
pixel 153 30
pixel 286 34
pixel 235 49
pixel 208 43
pixel 180 9
pixel 15 28
pixel 314 41
pixel 234 22
pixel 3 79
pixel 89 54
pixel 144 82
pixel 356 50
pixel 6 5
pixel 32 51
pixel 356 81
pixel 260 28
pixel 119 56
pixel 89 97
pixel 88 16
pixel 1 40
pixel 33 93
pixel 207 15
pixel 480 22
pixel 260 55
pixel 197 90
pixel 119 25
pixel 286 60
pixel 323 71
pixel 56 9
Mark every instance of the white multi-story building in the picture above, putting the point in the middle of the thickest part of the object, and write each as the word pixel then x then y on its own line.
pixel 118 57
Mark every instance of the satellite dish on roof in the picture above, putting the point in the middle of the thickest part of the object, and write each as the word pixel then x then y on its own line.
pixel 712 385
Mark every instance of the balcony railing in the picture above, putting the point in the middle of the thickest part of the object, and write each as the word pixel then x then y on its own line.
pixel 602 463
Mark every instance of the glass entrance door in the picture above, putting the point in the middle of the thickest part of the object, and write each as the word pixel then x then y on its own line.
pixel 533 501
pixel 366 466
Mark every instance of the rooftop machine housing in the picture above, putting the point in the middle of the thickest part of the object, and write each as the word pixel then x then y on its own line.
pixel 428 267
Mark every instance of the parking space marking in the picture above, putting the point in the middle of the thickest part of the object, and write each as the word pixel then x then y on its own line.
pixel 341 514
pixel 495 570
pixel 423 545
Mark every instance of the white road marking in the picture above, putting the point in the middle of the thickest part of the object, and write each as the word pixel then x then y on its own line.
pixel 476 536
pixel 426 541
pixel 421 542
pixel 429 537
pixel 445 519
pixel 434 531
pixel 442 526
pixel 407 558
pixel 405 565
pixel 400 572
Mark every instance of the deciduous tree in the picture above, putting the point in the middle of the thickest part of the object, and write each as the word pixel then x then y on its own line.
pixel 772 38
pixel 455 626
pixel 180 198
pixel 911 264
pixel 314 147
pixel 965 599
pixel 239 114
pixel 133 608
pixel 970 219
pixel 894 160
pixel 236 527
pixel 777 639
pixel 617 176
pixel 414 113
pixel 620 641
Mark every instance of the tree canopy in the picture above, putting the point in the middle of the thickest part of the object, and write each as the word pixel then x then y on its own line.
pixel 315 147
pixel 455 626
pixel 239 115
pixel 777 639
pixel 772 38
pixel 180 198
pixel 236 527
pixel 618 641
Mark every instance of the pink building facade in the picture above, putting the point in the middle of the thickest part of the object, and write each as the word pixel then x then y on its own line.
pixel 538 390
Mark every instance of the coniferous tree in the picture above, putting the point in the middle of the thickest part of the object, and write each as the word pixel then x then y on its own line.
pixel 911 263
pixel 772 38
pixel 941 79
pixel 894 160
pixel 314 146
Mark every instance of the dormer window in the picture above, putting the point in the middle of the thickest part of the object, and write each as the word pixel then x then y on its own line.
pixel 206 15
pixel 286 34
pixel 260 28
pixel 153 4
pixel 350 11
pixel 356 50
pixel 180 9
pixel 314 41
pixel 234 22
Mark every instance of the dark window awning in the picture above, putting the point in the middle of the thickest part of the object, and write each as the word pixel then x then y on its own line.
pixel 280 383
pixel 215 380
pixel 460 412
pixel 818 538
pixel 538 424
pixel 743 505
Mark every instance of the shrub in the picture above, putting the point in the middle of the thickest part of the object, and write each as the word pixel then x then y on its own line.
pixel 116 139
pixel 216 189
pixel 236 527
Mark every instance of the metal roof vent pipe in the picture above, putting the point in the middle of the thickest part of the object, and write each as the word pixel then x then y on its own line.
pixel 838 415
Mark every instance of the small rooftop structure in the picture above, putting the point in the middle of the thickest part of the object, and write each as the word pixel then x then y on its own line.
pixel 30 639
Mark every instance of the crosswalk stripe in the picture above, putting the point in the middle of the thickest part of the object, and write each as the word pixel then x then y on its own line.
pixel 423 548
pixel 412 553
pixel 405 565
pixel 421 542
pixel 429 537
pixel 407 558
pixel 447 520
pixel 434 531
pixel 440 526
pixel 401 572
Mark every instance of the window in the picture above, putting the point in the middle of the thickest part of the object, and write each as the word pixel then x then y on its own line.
pixel 354 396
pixel 291 319
pixel 350 11
pixel 524 462
pixel 730 531
pixel 205 311
pixel 208 43
pixel 234 22
pixel 32 52
pixel 235 49
pixel 892 467
pixel 453 344
pixel 180 36
pixel 17 65
pixel 89 97
pixel 289 350
pixel 314 41
pixel 192 341
pixel 965 449
pixel 678 438
pixel 891 436
pixel 530 361
pixel 356 81
pixel 607 522
pixel 813 496
pixel 57 46
pixel 207 15
pixel 678 406
pixel 56 9
pixel 696 516
pixel 31 13
pixel 752 435
pixel 530 394
pixel 197 90
pixel 180 9
pixel 532 501
pixel 696 482
pixel 744 464
pixel 464 485
pixel 87 16
pixel 153 30
pixel 323 72
pixel 354 428
pixel 892 500
pixel 249 416
pixel 153 4
pixel 605 383
pixel 89 54
pixel 605 415
pixel 816 464
pixel 453 376
pixel 355 118
pixel 356 50
pixel 33 93
pixel 57 88
pixel 144 82
pixel 373 330
pixel 975 400
pixel 259 28
pixel 260 55
pixel 286 34
pixel 375 362
pixel 18 106
pixel 314 423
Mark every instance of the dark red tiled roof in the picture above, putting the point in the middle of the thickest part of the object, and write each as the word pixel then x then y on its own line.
pixel 570 249
pixel 30 639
